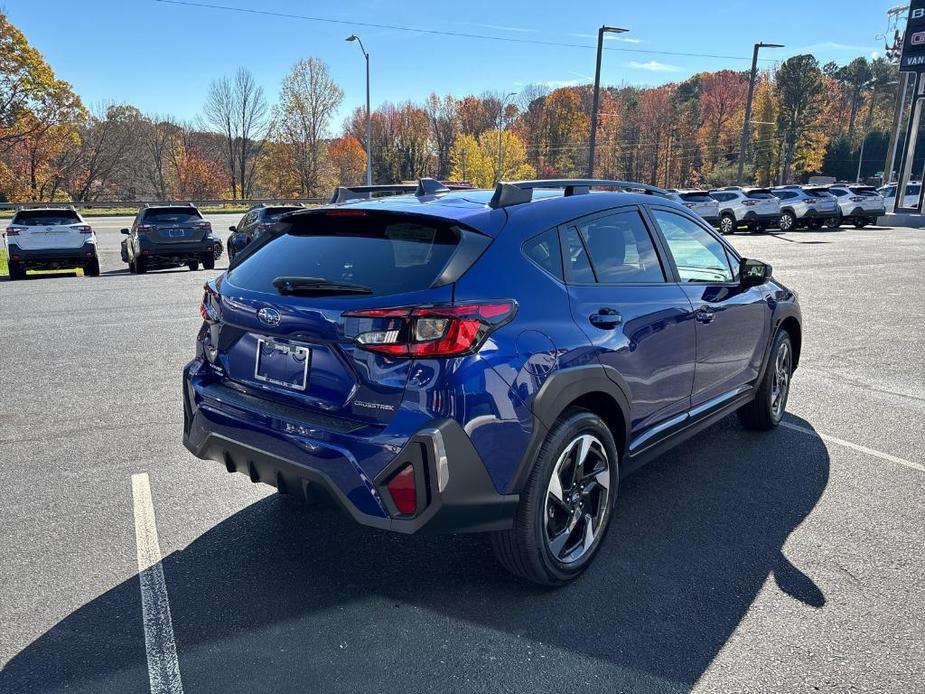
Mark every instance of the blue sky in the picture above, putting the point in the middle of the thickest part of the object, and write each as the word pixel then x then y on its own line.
pixel 161 57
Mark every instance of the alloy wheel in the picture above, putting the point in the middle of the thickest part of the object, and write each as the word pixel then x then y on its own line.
pixel 726 225
pixel 780 385
pixel 577 499
pixel 786 222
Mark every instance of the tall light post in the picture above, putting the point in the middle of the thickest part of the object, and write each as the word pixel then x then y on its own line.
pixel 369 130
pixel 597 91
pixel 743 143
pixel 870 118
pixel 501 130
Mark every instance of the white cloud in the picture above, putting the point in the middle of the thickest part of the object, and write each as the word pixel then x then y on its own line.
pixel 835 47
pixel 608 37
pixel 555 84
pixel 652 66
pixel 874 55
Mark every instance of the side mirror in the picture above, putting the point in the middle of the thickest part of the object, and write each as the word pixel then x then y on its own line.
pixel 124 231
pixel 232 228
pixel 753 272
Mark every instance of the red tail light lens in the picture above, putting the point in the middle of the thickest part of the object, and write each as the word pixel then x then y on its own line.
pixel 144 228
pixel 203 225
pixel 14 231
pixel 84 228
pixel 433 331
pixel 208 307
pixel 403 491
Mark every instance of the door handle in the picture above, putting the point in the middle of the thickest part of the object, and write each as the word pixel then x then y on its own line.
pixel 606 318
pixel 705 315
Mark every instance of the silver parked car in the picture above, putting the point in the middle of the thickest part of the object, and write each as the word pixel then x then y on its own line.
pixel 858 205
pixel 698 202
pixel 805 207
pixel 755 208
pixel 911 198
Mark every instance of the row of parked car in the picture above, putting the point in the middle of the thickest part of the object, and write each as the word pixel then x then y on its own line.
pixel 785 207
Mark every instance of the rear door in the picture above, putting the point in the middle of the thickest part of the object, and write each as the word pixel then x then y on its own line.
pixel 732 322
pixel 639 322
pixel 175 225
pixel 299 348
pixel 49 229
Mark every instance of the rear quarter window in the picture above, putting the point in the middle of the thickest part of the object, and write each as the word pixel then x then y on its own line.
pixel 389 254
pixel 544 250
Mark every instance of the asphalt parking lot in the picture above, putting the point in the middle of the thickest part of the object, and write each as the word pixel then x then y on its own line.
pixel 790 561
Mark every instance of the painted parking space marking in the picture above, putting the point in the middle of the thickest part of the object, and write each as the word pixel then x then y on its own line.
pixel 160 646
pixel 856 447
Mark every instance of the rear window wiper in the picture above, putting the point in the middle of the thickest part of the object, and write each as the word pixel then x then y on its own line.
pixel 317 285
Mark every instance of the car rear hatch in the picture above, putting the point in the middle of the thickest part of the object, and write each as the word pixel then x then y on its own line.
pixel 48 230
pixel 284 321
pixel 761 201
pixel 175 225
pixel 700 202
pixel 825 201
pixel 866 197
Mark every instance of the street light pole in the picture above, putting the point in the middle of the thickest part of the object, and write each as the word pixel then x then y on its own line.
pixel 501 131
pixel 743 143
pixel 597 91
pixel 369 130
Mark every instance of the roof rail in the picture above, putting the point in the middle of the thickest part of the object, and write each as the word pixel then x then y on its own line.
pixel 425 186
pixel 519 192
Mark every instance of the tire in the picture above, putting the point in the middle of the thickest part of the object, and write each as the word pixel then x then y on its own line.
pixel 815 224
pixel 193 265
pixel 787 221
pixel 16 271
pixel 141 265
pixel 860 223
pixel 727 224
pixel 547 544
pixel 767 409
pixel 208 263
pixel 92 268
pixel 833 222
pixel 763 227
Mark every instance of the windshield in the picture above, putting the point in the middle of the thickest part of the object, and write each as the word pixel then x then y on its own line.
pixel 172 215
pixel 274 213
pixel 696 197
pixel 759 195
pixel 41 218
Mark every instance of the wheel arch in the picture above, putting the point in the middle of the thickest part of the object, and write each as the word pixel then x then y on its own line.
pixel 793 328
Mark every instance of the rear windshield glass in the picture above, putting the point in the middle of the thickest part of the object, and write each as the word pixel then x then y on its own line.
pixel 696 197
pixel 39 218
pixel 759 195
pixel 818 192
pixel 274 213
pixel 389 255
pixel 864 190
pixel 177 215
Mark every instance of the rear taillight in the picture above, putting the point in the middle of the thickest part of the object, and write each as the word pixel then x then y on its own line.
pixel 749 203
pixel 144 228
pixel 14 231
pixel 812 200
pixel 84 228
pixel 403 491
pixel 206 226
pixel 857 199
pixel 433 331
pixel 208 307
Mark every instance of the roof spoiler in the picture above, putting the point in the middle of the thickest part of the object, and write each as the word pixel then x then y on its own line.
pixel 519 192
pixel 424 187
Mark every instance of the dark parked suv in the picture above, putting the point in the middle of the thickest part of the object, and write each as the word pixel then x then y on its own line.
pixel 256 220
pixel 165 236
pixel 485 360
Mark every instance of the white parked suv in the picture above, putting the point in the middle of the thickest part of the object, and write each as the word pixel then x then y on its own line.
pixel 859 205
pixel 911 199
pixel 52 238
pixel 699 202
pixel 810 207
pixel 755 208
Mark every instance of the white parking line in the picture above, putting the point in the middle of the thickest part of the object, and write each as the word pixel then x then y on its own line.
pixel 856 447
pixel 163 667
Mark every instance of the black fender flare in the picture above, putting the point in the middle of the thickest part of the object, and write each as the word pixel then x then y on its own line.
pixel 557 393
pixel 783 311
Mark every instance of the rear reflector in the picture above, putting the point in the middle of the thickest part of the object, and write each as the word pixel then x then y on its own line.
pixel 403 491
pixel 433 331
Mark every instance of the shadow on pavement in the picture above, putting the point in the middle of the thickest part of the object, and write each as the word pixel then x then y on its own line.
pixel 282 597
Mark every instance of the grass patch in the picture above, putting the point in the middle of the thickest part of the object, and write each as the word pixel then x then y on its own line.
pixel 5 268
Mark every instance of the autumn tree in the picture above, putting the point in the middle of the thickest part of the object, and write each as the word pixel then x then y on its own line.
pixel 348 158
pixel 722 103
pixel 308 99
pixel 476 159
pixel 799 88
pixel 444 125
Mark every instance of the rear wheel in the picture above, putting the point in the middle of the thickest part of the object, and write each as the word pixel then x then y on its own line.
pixel 17 271
pixel 815 224
pixel 193 265
pixel 566 505
pixel 208 263
pixel 141 265
pixel 92 267
pixel 767 409
pixel 787 221
pixel 860 223
pixel 833 222
pixel 727 224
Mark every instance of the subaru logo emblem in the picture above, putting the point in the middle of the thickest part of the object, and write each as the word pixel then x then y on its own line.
pixel 268 316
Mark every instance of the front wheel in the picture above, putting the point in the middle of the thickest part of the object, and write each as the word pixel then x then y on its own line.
pixel 566 505
pixel 787 221
pixel 833 222
pixel 193 265
pixel 727 224
pixel 208 263
pixel 770 403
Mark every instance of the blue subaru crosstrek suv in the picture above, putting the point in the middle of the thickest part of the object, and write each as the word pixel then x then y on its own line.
pixel 485 361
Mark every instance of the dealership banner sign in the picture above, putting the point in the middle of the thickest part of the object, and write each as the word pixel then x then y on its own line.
pixel 913 56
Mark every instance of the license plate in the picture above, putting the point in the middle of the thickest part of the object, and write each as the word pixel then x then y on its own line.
pixel 281 364
pixel 177 233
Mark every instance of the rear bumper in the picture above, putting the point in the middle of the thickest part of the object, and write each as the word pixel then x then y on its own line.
pixel 820 214
pixel 176 253
pixel 861 213
pixel 770 218
pixel 52 257
pixel 455 492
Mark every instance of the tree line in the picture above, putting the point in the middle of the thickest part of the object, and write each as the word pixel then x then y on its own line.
pixel 807 119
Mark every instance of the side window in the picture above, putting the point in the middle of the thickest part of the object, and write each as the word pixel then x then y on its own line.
pixel 544 251
pixel 576 259
pixel 240 226
pixel 697 254
pixel 621 250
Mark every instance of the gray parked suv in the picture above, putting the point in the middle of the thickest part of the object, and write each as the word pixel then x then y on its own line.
pixel 168 236
pixel 806 207
pixel 755 208
pixel 699 202
pixel 860 205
